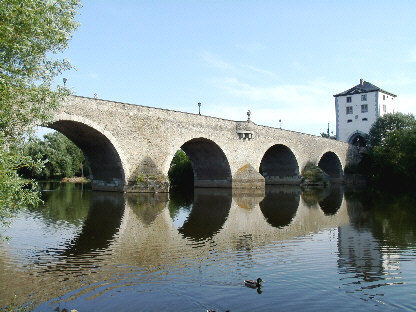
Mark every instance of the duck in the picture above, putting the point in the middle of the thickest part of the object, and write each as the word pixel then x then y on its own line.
pixel 253 284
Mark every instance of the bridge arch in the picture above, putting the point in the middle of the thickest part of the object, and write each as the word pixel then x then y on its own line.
pixel 209 163
pixel 330 163
pixel 104 156
pixel 280 166
pixel 357 138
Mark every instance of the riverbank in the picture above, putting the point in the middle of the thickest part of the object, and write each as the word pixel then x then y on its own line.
pixel 75 180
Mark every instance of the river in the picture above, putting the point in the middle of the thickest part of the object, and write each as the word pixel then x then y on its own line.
pixel 315 250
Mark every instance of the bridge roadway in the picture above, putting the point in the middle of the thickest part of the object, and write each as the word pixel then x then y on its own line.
pixel 129 148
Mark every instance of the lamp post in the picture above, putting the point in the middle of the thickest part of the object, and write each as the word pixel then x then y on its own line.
pixel 64 79
pixel 280 123
pixel 199 108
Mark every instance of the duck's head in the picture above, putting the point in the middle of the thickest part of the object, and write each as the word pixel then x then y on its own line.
pixel 259 280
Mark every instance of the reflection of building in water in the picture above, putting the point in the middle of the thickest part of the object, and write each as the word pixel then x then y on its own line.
pixel 360 252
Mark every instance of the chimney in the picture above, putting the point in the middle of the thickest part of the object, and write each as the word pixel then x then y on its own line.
pixel 361 81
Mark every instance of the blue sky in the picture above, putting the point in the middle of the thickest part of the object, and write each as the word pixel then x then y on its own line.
pixel 279 59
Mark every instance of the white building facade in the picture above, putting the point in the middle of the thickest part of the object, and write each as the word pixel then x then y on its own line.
pixel 358 108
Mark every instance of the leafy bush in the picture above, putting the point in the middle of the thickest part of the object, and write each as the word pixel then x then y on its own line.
pixel 312 174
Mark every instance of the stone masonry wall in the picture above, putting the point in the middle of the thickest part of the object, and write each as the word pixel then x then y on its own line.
pixel 147 138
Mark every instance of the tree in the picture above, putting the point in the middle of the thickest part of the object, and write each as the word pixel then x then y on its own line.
pixel 326 135
pixel 389 123
pixel 393 151
pixel 181 174
pixel 61 157
pixel 32 32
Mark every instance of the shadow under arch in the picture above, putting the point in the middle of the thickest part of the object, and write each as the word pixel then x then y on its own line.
pixel 209 163
pixel 331 203
pixel 106 168
pixel 208 214
pixel 280 205
pixel 331 165
pixel 279 166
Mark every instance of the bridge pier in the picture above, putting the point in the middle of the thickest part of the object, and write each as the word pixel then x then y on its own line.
pixel 247 178
pixel 148 183
pixel 213 183
pixel 108 186
pixel 276 180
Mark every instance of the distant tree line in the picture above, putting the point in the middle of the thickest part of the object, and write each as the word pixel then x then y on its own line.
pixel 61 158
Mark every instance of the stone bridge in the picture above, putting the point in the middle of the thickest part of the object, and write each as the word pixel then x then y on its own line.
pixel 130 147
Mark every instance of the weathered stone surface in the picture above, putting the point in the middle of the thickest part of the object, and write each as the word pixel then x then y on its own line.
pixel 126 144
pixel 247 177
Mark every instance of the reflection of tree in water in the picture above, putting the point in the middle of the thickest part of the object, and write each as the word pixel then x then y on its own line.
pixel 280 204
pixel 392 218
pixel 329 199
pixel 180 200
pixel 147 206
pixel 311 196
pixel 64 202
pixel 394 221
pixel 209 212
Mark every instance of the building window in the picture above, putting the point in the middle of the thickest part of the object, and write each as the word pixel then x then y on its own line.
pixel 349 120
pixel 384 108
pixel 348 99
pixel 349 110
pixel 384 97
pixel 365 119
pixel 364 97
pixel 364 108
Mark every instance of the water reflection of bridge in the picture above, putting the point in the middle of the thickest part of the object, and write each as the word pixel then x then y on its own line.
pixel 221 218
pixel 130 233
